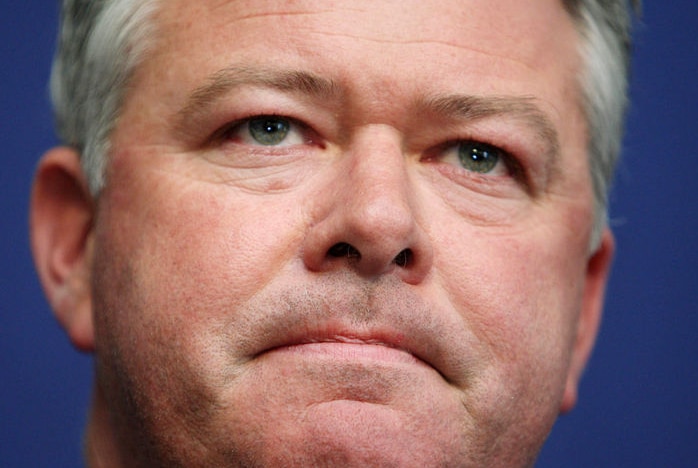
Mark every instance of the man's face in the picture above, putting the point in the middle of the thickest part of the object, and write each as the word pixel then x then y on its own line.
pixel 346 232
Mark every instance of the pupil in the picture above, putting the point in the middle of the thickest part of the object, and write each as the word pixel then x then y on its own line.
pixel 267 131
pixel 478 157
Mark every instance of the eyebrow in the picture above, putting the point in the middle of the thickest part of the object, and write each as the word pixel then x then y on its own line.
pixel 473 108
pixel 451 106
pixel 224 81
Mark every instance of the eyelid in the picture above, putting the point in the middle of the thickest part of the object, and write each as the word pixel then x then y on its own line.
pixel 227 131
pixel 512 166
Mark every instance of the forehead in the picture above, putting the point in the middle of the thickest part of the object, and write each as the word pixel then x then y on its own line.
pixel 501 35
pixel 449 20
pixel 382 54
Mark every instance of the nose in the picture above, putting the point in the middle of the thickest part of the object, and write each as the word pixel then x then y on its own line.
pixel 368 217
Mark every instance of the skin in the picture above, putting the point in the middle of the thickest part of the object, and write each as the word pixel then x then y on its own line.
pixel 227 330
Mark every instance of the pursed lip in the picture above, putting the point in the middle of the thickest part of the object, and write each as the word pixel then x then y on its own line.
pixel 385 320
pixel 385 347
pixel 379 345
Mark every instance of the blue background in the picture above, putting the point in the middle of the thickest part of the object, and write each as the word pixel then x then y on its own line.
pixel 639 397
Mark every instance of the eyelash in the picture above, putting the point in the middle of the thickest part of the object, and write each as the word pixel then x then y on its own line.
pixel 228 131
pixel 511 164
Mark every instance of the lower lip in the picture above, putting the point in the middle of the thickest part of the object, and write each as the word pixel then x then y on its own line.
pixel 351 352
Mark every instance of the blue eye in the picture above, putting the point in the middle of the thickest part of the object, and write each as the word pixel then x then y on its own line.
pixel 479 157
pixel 269 131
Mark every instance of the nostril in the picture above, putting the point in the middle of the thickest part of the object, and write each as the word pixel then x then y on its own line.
pixel 342 249
pixel 404 258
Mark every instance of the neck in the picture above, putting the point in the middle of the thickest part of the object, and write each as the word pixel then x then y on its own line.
pixel 101 449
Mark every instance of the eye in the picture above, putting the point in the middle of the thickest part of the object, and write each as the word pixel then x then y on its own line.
pixel 480 157
pixel 267 130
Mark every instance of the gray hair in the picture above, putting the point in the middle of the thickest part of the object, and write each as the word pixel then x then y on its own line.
pixel 605 27
pixel 102 41
pixel 100 44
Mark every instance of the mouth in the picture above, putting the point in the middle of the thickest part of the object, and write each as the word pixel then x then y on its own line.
pixel 350 348
pixel 345 323
pixel 341 346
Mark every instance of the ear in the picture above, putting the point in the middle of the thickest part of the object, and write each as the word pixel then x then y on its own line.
pixel 61 215
pixel 598 269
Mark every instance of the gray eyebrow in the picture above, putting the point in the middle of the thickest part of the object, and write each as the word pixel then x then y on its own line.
pixel 224 81
pixel 473 108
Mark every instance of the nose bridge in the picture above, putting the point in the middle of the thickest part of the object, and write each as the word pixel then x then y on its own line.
pixel 377 201
pixel 370 224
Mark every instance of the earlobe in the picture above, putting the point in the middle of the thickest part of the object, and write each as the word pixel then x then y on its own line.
pixel 598 270
pixel 61 215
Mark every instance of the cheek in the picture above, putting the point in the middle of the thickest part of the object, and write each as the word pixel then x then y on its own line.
pixel 520 295
pixel 175 259
pixel 198 240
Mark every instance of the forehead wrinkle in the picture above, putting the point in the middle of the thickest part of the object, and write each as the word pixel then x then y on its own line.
pixel 283 13
pixel 226 80
pixel 390 40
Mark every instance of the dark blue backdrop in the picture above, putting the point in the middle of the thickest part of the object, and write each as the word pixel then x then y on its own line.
pixel 638 400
